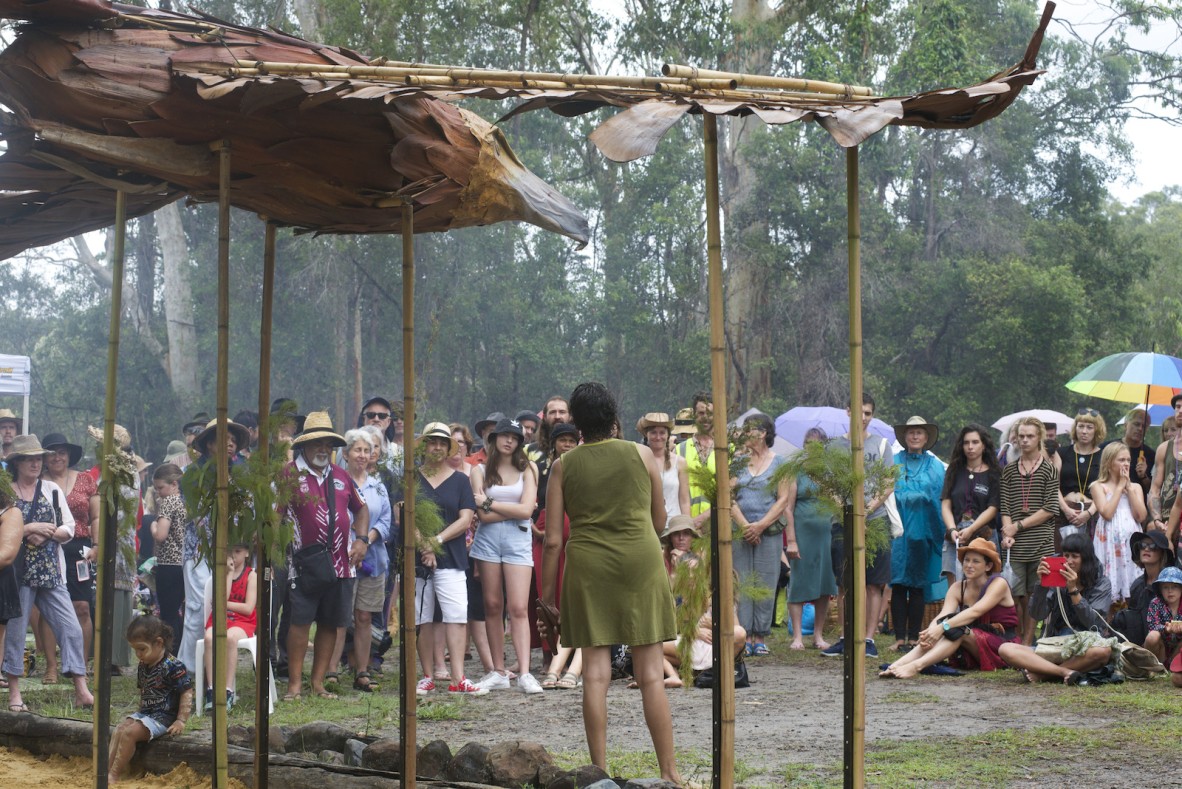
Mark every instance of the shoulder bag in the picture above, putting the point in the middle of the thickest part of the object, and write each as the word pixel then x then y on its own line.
pixel 313 563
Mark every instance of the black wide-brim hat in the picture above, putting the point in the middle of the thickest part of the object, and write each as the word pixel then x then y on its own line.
pixel 1159 540
pixel 58 440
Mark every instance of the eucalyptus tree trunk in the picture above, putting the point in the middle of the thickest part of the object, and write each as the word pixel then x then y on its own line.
pixel 178 306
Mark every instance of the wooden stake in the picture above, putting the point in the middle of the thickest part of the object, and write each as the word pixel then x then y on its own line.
pixel 221 778
pixel 855 554
pixel 262 669
pixel 724 611
pixel 407 670
pixel 104 633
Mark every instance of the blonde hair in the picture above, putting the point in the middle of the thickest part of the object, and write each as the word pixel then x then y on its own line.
pixel 1035 422
pixel 1097 421
pixel 668 443
pixel 1108 459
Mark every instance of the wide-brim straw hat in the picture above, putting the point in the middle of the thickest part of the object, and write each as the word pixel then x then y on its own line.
pixel 984 547
pixel 7 415
pixel 317 424
pixel 917 421
pixel 240 433
pixel 141 464
pixel 26 447
pixel 122 437
pixel 1159 540
pixel 683 423
pixel 654 419
pixel 439 430
pixel 58 440
pixel 678 523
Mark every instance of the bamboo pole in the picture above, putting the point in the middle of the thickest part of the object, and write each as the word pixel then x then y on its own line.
pixel 855 593
pixel 104 633
pixel 760 81
pixel 262 669
pixel 408 673
pixel 724 612
pixel 221 778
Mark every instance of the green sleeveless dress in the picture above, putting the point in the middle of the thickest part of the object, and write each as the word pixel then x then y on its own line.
pixel 614 589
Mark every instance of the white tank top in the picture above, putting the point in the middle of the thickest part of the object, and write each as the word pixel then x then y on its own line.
pixel 670 487
pixel 510 494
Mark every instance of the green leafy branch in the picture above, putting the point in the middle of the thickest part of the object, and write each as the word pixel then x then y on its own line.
pixel 119 499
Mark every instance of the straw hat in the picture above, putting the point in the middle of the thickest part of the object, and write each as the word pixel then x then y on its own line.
pixel 317 424
pixel 654 419
pixel 439 430
pixel 985 548
pixel 141 465
pixel 917 421
pixel 683 424
pixel 240 433
pixel 26 447
pixel 678 523
pixel 122 437
pixel 8 416
pixel 58 440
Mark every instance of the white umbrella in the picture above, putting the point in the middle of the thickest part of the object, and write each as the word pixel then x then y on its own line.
pixel 1061 421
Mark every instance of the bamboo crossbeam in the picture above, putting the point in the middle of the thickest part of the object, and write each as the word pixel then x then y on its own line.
pixel 760 81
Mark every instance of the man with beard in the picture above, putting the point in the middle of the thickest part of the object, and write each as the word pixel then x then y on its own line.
pixel 698 452
pixel 320 506
pixel 10 427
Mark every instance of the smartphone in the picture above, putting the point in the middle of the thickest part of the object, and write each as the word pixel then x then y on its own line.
pixel 1055 576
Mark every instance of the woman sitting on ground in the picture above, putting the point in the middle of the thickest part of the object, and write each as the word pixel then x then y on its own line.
pixel 1151 552
pixel 977 619
pixel 1085 600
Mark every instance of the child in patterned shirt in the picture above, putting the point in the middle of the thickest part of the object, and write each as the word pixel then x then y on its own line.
pixel 1163 620
pixel 166 693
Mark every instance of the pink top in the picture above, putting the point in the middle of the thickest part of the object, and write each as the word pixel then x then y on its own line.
pixel 78 500
pixel 309 509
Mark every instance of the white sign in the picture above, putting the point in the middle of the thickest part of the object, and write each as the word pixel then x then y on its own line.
pixel 15 375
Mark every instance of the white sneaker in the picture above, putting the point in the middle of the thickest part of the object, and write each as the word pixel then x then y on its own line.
pixel 494 680
pixel 527 684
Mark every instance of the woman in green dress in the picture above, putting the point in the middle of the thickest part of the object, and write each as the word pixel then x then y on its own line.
pixel 614 590
pixel 808 536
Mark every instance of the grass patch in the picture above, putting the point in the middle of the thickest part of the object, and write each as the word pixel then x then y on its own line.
pixel 909 697
pixel 1153 697
pixel 440 711
pixel 694 764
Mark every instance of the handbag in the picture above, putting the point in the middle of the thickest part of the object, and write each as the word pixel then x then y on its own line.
pixel 313 563
pixel 549 616
pixel 705 678
pixel 1007 572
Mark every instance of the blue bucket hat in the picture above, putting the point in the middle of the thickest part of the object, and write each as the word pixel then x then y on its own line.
pixel 1170 575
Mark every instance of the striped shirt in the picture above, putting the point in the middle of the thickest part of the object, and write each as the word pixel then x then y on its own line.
pixel 1023 495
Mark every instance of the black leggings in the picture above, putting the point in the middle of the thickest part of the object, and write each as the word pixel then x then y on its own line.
pixel 170 594
pixel 906 611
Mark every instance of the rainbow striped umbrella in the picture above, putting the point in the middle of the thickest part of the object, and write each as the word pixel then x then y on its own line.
pixel 1151 378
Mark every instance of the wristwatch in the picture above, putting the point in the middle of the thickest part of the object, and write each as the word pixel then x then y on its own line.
pixel 947 626
pixel 487 505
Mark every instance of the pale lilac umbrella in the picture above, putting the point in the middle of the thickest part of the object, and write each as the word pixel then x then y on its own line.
pixel 794 423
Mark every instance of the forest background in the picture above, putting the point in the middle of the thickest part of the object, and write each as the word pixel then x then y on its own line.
pixel 997 263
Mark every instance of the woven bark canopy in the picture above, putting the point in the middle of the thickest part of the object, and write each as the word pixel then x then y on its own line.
pixel 100 101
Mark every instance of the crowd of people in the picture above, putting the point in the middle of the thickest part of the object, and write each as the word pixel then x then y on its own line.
pixel 555 529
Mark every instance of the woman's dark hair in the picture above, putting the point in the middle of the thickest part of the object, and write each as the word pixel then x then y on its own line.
pixel 149 628
pixel 493 456
pixel 593 410
pixel 958 461
pixel 764 423
pixel 1089 567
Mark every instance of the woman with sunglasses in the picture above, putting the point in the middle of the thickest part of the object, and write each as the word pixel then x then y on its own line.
pixel 1080 463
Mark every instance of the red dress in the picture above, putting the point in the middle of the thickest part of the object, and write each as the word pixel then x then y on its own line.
pixel 238 588
pixel 996 627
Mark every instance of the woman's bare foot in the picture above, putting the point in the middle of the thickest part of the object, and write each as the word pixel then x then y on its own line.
pixel 673 682
pixel 796 645
pixel 898 646
pixel 820 643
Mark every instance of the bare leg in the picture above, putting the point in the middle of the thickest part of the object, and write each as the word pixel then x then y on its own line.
pixel 796 615
pixel 425 643
pixel 480 638
pixel 457 637
pixel 207 659
pixel 494 612
pixel 297 648
pixel 1025 623
pixel 338 649
pixel 322 649
pixel 648 663
pixel 1154 643
pixel 362 639
pixel 876 607
pixel 558 662
pixel 82 609
pixel 821 615
pixel 439 657
pixel 597 675
pixel 47 643
pixel 126 736
pixel 919 658
pixel 14 692
pixel 233 636
pixel 82 694
pixel 1042 670
pixel 517 581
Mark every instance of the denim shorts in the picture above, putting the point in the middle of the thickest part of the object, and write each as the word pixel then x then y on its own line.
pixel 154 727
pixel 504 542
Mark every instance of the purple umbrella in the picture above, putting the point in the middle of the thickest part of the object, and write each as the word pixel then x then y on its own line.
pixel 794 423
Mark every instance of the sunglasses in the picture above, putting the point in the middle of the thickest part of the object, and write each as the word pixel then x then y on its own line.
pixel 375 415
pixel 1087 412
pixel 193 431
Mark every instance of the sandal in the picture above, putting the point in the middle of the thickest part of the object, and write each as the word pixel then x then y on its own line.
pixel 292 696
pixel 18 708
pixel 362 683
pixel 326 694
pixel 332 681
pixel 550 680
pixel 569 681
pixel 759 649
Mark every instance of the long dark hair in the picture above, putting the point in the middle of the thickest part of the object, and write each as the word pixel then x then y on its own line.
pixel 958 461
pixel 593 410
pixel 1090 571
pixel 493 459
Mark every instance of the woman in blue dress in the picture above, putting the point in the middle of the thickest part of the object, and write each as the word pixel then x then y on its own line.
pixel 915 556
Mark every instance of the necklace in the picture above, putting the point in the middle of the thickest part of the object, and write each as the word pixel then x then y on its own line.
pixel 1087 472
pixel 973 472
pixel 1026 483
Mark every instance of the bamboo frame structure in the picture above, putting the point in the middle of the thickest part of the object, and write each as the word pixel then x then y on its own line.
pixel 104 632
pixel 690 73
pixel 854 658
pixel 723 621
pixel 407 709
pixel 262 669
pixel 221 778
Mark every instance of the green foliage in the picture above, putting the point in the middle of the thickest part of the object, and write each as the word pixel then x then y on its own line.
pixel 117 495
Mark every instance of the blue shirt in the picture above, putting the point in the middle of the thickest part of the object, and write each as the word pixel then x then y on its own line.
pixel 378 501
